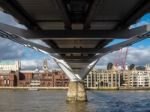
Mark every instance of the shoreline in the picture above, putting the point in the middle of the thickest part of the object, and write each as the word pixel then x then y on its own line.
pixel 27 88
pixel 66 88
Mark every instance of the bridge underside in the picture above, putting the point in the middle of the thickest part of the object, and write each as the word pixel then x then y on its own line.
pixel 77 32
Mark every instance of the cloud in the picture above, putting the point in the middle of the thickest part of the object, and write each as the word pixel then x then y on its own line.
pixel 33 64
pixel 136 55
pixel 10 20
pixel 10 50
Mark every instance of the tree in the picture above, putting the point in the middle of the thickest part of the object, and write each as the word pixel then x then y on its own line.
pixel 109 66
pixel 132 66
pixel 140 68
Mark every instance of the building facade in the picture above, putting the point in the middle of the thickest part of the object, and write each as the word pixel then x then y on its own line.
pixel 136 78
pixel 118 78
pixel 147 67
pixel 10 65
pixel 46 79
pixel 11 75
pixel 8 78
pixel 102 78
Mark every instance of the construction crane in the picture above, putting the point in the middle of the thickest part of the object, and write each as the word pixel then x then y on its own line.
pixel 125 58
pixel 121 58
pixel 118 58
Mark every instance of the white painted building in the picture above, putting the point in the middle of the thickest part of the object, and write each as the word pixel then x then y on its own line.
pixel 103 78
pixel 9 65
pixel 140 78
pixel 147 67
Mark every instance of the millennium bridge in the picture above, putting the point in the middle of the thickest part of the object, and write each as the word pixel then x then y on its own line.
pixel 77 32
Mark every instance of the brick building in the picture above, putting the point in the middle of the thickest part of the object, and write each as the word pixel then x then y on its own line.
pixel 47 79
pixel 8 78
pixel 25 78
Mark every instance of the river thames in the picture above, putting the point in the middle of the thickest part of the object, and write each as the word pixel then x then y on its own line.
pixel 54 101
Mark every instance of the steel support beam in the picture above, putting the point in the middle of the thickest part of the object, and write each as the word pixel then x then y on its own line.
pixel 79 61
pixel 64 13
pixel 129 42
pixel 74 34
pixel 86 70
pixel 135 14
pixel 90 14
pixel 13 7
pixel 67 70
pixel 28 44
pixel 78 57
pixel 23 18
pixel 74 50
pixel 103 43
pixel 120 45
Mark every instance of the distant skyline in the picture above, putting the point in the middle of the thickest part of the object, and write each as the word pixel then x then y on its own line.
pixel 139 53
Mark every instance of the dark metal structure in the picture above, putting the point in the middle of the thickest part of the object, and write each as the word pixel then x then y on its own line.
pixel 77 30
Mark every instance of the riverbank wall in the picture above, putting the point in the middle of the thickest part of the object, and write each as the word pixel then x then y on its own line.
pixel 65 88
pixel 134 88
pixel 39 88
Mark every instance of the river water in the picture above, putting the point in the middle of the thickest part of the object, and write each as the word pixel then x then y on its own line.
pixel 54 101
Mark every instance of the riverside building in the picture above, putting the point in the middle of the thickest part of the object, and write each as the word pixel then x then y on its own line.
pixel 103 78
pixel 136 78
pixel 9 65
pixel 9 73
pixel 147 67
pixel 46 79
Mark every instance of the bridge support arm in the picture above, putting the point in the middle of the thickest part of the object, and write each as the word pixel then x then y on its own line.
pixel 67 70
pixel 89 68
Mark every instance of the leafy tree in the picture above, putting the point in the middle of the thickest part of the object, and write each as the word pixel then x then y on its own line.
pixel 109 66
pixel 140 68
pixel 132 66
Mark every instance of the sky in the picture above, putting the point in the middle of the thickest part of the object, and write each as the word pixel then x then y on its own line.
pixel 138 53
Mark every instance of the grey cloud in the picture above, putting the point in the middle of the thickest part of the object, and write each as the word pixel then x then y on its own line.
pixel 37 63
pixel 10 50
pixel 10 20
pixel 137 56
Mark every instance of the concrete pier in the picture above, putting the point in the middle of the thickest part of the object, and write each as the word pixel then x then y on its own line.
pixel 76 92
